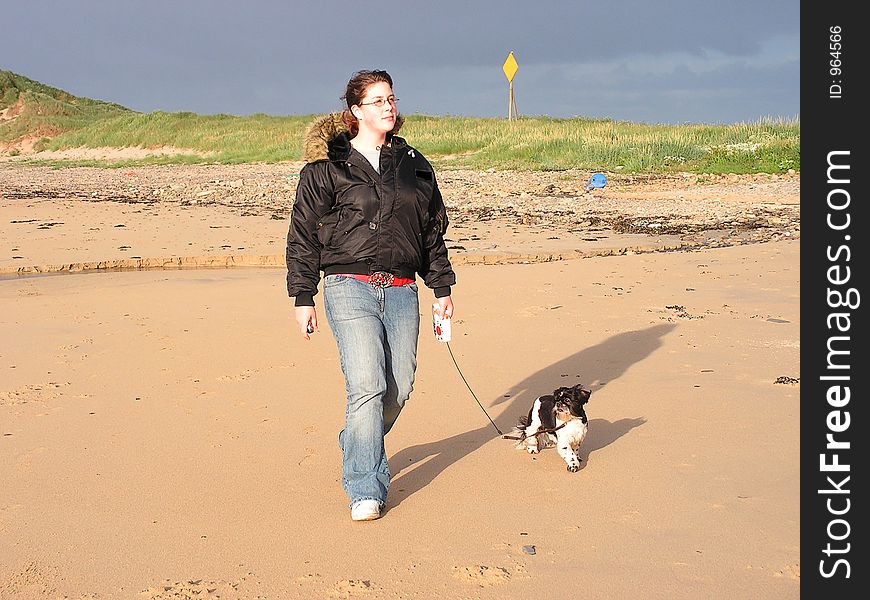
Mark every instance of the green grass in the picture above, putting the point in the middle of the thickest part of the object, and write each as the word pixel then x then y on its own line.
pixel 44 111
pixel 223 138
pixel 533 143
pixel 558 144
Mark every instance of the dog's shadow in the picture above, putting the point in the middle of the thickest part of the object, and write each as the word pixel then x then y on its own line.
pixel 602 433
pixel 598 365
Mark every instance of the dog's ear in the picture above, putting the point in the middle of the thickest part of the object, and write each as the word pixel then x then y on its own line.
pixel 581 394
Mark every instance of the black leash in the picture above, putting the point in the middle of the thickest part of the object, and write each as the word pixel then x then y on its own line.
pixel 507 437
pixel 524 436
pixel 472 391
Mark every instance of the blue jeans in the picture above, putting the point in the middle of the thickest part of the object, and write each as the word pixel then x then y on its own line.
pixel 376 330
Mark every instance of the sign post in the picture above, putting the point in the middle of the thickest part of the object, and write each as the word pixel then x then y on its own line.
pixel 510 69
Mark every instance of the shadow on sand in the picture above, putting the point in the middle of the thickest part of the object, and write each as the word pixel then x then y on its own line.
pixel 593 367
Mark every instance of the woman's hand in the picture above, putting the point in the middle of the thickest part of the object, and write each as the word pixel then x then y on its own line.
pixel 445 306
pixel 305 316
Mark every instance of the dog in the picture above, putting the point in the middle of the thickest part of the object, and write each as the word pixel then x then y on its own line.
pixel 556 419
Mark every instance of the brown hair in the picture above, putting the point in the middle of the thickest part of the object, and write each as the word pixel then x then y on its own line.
pixel 356 89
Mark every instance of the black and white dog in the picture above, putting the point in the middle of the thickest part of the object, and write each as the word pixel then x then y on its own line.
pixel 556 419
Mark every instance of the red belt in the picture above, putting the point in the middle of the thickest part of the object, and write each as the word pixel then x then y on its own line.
pixel 380 279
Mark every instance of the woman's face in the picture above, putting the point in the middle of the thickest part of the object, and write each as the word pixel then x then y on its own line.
pixel 378 118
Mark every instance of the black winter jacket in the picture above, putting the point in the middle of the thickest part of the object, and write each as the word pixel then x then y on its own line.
pixel 347 218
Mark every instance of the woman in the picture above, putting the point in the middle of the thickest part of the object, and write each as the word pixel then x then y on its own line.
pixel 369 215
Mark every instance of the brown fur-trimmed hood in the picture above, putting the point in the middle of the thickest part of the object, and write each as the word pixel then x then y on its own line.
pixel 322 138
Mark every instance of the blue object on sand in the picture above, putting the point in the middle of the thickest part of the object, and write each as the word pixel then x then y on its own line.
pixel 598 180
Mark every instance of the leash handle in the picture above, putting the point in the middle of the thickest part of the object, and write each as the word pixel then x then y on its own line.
pixel 472 391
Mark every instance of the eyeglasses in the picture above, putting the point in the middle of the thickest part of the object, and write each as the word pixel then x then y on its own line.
pixel 379 102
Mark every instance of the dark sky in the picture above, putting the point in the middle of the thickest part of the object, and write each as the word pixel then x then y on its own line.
pixel 673 61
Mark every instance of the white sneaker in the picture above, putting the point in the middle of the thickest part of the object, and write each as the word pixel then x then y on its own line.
pixel 365 510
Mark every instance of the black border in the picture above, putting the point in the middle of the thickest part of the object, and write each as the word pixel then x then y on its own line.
pixel 832 124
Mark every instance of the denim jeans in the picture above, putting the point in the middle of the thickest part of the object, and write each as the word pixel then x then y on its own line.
pixel 376 330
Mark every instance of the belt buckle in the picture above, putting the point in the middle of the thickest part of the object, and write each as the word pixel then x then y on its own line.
pixel 381 279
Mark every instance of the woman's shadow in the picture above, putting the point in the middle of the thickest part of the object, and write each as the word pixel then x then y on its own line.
pixel 598 365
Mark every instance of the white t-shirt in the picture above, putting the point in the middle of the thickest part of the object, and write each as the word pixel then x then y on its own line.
pixel 373 156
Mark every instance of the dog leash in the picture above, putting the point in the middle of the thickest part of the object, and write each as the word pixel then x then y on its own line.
pixel 503 435
pixel 472 391
pixel 524 436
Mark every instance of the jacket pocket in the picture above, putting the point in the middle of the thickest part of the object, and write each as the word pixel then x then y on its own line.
pixel 327 225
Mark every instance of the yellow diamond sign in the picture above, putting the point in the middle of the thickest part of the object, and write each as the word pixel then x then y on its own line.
pixel 510 67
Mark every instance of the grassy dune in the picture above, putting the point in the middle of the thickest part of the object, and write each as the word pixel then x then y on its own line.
pixel 59 120
pixel 41 111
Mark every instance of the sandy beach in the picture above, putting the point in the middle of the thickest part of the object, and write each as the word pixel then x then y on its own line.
pixel 165 433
